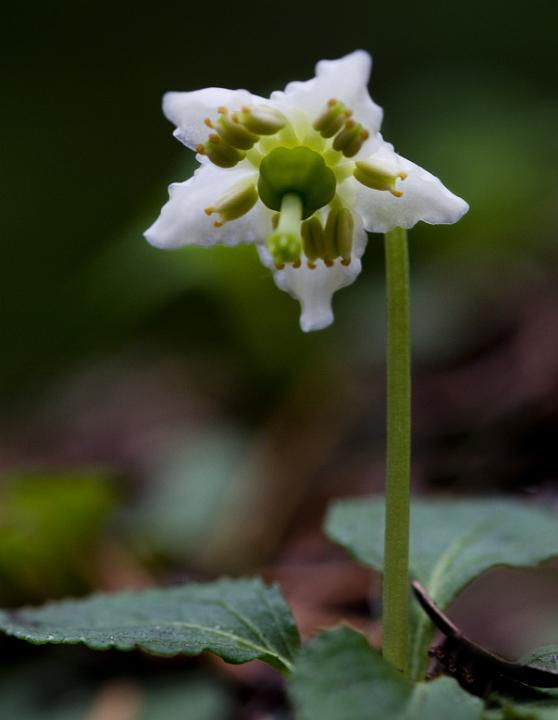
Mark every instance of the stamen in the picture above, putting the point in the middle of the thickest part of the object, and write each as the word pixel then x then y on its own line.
pixel 220 153
pixel 262 119
pixel 338 235
pixel 336 240
pixel 331 120
pixel 234 133
pixel 351 138
pixel 379 174
pixel 235 203
pixel 312 238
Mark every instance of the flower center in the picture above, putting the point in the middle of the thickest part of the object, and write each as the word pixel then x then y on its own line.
pixel 298 173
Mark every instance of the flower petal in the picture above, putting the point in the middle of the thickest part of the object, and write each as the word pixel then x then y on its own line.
pixel 314 288
pixel 345 79
pixel 183 220
pixel 424 198
pixel 188 110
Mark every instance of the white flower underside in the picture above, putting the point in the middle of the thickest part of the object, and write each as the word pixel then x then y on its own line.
pixel 183 220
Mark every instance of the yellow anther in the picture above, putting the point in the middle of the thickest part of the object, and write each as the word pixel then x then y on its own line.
pixel 379 174
pixel 331 120
pixel 310 265
pixel 235 203
pixel 297 264
pixel 350 139
pixel 279 266
pixel 222 110
pixel 201 149
pixel 218 223
pixel 221 153
pixel 209 122
pixel 262 119
pixel 230 129
pixel 338 235
pixel 312 234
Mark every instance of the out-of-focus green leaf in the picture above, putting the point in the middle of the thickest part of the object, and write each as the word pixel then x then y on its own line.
pixel 545 708
pixel 50 690
pixel 48 523
pixel 452 543
pixel 183 502
pixel 239 620
pixel 197 698
pixel 338 675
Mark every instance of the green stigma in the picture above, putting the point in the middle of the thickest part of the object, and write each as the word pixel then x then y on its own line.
pixel 285 242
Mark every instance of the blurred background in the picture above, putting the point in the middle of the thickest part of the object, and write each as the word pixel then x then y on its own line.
pixel 163 418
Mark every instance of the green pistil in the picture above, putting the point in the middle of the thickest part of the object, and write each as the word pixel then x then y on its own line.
pixel 298 170
pixel 284 243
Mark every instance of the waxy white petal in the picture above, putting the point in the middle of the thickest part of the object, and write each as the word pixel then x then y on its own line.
pixel 188 110
pixel 314 288
pixel 183 220
pixel 346 80
pixel 424 198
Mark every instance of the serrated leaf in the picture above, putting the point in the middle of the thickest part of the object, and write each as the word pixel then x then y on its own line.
pixel 452 542
pixel 338 675
pixel 239 620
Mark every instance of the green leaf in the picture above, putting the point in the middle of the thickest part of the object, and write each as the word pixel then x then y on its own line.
pixel 239 620
pixel 452 542
pixel 338 675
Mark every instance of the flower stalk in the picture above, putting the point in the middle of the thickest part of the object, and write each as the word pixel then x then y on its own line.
pixel 398 460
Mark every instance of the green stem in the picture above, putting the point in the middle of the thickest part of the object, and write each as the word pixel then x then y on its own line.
pixel 398 462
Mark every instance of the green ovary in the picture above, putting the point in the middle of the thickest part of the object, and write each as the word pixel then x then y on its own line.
pixel 299 171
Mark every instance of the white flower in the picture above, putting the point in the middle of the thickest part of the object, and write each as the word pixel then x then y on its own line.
pixel 303 175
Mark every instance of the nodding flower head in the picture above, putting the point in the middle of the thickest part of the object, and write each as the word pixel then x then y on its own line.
pixel 303 175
